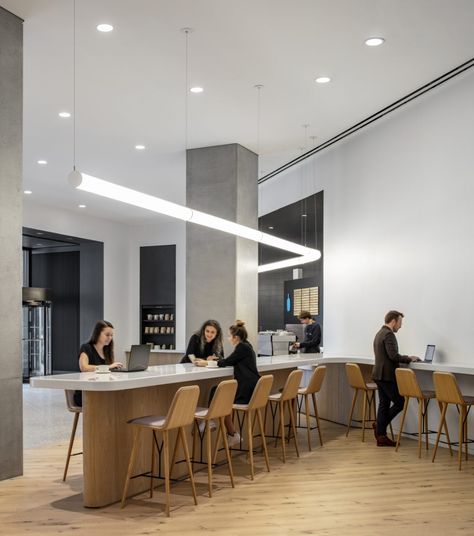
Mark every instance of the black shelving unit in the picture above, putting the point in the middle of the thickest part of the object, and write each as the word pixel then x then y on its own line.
pixel 158 326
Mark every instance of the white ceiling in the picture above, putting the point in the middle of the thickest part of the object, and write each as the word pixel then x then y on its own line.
pixel 130 84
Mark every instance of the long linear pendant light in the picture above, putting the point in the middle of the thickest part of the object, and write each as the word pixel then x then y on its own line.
pixel 94 185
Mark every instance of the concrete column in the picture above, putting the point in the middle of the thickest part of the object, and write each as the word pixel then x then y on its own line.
pixel 11 95
pixel 221 270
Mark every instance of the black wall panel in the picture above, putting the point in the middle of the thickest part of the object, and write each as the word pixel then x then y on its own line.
pixel 91 288
pixel 60 273
pixel 158 275
pixel 288 223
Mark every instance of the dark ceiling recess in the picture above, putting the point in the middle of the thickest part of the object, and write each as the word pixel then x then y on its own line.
pixel 374 117
pixel 37 239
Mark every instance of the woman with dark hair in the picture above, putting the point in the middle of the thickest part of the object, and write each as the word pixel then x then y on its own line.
pixel 100 348
pixel 244 361
pixel 98 351
pixel 205 343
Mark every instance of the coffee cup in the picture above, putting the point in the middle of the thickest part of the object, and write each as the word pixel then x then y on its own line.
pixel 102 368
pixel 212 364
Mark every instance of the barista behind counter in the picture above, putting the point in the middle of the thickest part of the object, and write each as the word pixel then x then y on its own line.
pixel 312 334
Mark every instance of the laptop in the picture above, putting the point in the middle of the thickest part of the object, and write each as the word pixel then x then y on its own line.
pixel 138 359
pixel 429 354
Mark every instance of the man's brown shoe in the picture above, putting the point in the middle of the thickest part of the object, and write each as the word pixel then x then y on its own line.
pixel 384 441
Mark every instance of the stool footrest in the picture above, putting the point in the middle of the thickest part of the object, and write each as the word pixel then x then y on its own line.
pixel 159 477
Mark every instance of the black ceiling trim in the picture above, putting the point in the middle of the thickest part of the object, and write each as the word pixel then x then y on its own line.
pixel 374 117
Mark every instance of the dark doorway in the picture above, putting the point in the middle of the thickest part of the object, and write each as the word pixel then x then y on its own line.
pixel 72 268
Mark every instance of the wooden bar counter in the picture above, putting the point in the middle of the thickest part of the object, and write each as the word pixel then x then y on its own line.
pixel 111 399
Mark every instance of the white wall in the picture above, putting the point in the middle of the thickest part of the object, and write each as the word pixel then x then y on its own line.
pixel 398 225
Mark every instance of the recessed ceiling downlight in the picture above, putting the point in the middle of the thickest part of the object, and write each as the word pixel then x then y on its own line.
pixel 322 80
pixel 196 89
pixel 42 162
pixel 140 147
pixel 105 28
pixel 64 114
pixel 82 206
pixel 374 41
pixel 27 192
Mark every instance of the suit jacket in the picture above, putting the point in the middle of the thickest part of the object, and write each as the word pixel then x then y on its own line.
pixel 387 357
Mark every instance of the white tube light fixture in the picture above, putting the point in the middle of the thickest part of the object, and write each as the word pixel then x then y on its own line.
pixel 287 263
pixel 94 185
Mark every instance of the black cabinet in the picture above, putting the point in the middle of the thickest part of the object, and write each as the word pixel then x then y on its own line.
pixel 158 323
pixel 157 296
pixel 157 275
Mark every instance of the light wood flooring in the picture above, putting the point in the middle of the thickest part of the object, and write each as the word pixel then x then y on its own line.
pixel 344 488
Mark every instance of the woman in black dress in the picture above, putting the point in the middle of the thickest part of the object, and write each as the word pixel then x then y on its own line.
pixel 98 351
pixel 244 361
pixel 205 343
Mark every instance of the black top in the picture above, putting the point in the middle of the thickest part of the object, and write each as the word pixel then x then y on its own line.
pixel 94 359
pixel 194 348
pixel 245 370
pixel 91 352
pixel 312 339
pixel 387 357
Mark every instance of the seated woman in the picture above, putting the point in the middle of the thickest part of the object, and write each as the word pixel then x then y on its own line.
pixel 244 361
pixel 98 351
pixel 205 343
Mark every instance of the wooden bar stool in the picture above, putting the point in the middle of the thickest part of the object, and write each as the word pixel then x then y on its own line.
pixel 314 386
pixel 357 382
pixel 254 408
pixel 448 392
pixel 77 410
pixel 287 398
pixel 180 415
pixel 220 407
pixel 408 387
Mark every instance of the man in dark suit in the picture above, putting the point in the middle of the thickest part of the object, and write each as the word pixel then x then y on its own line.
pixel 387 359
pixel 312 334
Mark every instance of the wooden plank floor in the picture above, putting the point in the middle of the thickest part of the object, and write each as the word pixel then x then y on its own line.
pixel 345 488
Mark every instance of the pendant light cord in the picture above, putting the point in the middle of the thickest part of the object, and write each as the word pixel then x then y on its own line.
pixel 306 136
pixel 259 88
pixel 186 96
pixel 74 86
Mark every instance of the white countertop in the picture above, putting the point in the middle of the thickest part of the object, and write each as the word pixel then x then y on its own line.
pixel 186 372
pixel 362 360
pixel 161 375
